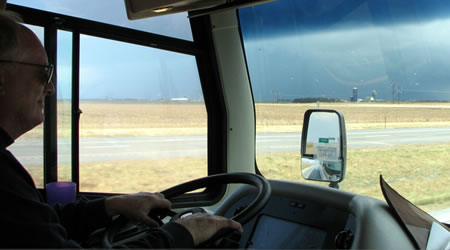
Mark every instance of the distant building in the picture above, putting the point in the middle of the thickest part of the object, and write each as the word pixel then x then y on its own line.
pixel 354 97
pixel 179 99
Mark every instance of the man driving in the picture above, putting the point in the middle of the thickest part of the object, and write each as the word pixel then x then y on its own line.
pixel 26 220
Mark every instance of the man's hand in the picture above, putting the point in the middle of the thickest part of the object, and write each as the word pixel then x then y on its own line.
pixel 203 226
pixel 136 206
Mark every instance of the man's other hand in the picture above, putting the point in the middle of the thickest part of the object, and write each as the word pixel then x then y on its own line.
pixel 203 226
pixel 136 206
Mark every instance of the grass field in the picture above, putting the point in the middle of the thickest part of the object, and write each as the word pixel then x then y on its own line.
pixel 149 119
pixel 289 117
pixel 419 172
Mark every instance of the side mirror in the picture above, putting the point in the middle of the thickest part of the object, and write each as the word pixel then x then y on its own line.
pixel 324 146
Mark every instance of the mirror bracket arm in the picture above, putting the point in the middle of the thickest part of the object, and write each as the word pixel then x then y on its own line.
pixel 334 184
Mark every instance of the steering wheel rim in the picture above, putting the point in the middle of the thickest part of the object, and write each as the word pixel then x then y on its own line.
pixel 262 185
pixel 263 194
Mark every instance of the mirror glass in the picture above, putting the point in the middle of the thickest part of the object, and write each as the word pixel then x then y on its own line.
pixel 321 159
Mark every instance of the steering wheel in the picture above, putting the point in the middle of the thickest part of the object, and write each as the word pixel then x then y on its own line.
pixel 262 187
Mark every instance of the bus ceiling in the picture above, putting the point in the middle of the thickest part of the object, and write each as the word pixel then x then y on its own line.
pixel 137 9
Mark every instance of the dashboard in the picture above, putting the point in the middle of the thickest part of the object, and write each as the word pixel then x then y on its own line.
pixel 307 216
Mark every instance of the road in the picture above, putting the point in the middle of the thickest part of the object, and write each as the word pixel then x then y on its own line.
pixel 135 148
pixel 358 138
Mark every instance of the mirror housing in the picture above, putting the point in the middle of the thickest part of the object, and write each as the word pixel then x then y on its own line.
pixel 324 146
pixel 137 9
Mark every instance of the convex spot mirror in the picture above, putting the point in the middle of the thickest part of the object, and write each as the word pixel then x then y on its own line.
pixel 324 146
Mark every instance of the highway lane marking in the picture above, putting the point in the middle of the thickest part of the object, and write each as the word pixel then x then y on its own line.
pixel 417 140
pixel 90 155
pixel 398 131
pixel 146 152
pixel 141 141
pixel 30 157
pixel 277 136
pixel 285 146
pixel 259 140
pixel 371 142
pixel 82 154
pixel 107 146
pixel 376 136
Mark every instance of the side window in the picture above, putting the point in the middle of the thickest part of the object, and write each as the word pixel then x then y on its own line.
pixel 143 122
pixel 143 125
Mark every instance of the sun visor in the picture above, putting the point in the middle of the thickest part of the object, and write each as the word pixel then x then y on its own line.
pixel 417 222
pixel 137 9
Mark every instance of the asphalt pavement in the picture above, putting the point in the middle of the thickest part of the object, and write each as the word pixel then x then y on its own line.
pixel 151 147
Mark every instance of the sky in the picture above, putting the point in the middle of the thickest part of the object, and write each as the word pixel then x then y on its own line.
pixel 324 54
pixel 332 63
pixel 326 48
pixel 116 14
pixel 116 70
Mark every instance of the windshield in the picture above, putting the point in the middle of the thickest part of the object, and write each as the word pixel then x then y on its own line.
pixel 383 64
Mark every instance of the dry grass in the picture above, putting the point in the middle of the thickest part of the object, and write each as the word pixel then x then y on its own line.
pixel 130 176
pixel 150 119
pixel 289 117
pixel 142 119
pixel 131 119
pixel 140 175
pixel 418 172
pixel 142 115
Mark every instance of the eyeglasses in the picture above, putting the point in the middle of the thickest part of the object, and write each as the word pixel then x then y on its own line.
pixel 49 69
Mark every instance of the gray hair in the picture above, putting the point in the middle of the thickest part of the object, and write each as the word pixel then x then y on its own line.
pixel 10 27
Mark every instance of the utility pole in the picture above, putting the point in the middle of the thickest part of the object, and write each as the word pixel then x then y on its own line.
pixel 396 92
pixel 393 86
pixel 276 95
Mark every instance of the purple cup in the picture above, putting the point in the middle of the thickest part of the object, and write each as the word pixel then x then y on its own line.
pixel 61 192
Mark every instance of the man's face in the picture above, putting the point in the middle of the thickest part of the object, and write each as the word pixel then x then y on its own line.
pixel 26 85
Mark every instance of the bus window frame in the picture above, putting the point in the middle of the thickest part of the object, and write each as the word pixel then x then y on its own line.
pixel 201 47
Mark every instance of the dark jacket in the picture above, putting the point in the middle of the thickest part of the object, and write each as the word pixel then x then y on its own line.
pixel 27 221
